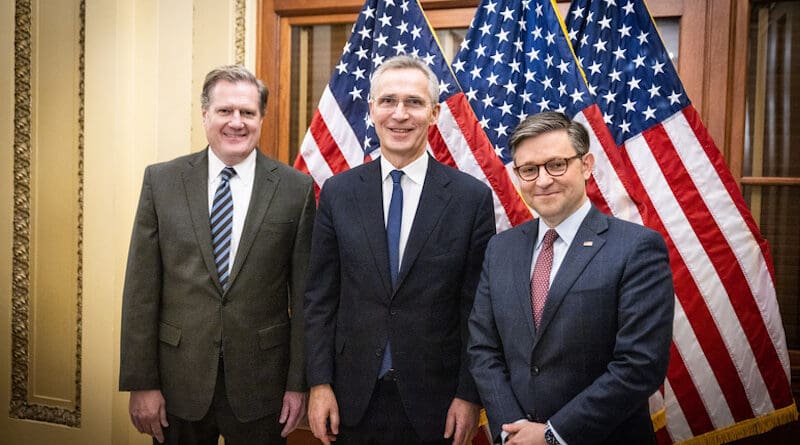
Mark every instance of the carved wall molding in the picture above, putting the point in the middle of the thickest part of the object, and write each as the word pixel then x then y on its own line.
pixel 240 31
pixel 20 407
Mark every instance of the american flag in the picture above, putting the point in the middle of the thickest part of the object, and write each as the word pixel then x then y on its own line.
pixel 341 134
pixel 656 165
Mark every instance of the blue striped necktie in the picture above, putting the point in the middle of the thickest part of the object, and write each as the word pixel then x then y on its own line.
pixel 222 225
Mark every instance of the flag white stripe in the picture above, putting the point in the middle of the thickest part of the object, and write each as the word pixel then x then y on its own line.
pixel 700 372
pixel 318 168
pixel 607 180
pixel 677 426
pixel 730 223
pixel 700 267
pixel 466 162
pixel 340 129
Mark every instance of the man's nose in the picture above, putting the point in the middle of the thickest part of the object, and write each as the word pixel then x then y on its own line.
pixel 544 179
pixel 400 110
pixel 236 119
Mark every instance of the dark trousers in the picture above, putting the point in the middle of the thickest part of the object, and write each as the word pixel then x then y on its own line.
pixel 385 422
pixel 220 420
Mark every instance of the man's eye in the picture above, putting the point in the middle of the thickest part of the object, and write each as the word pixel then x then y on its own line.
pixel 414 102
pixel 557 164
pixel 387 101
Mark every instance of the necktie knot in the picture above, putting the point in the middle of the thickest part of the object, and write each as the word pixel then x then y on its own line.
pixel 549 238
pixel 396 175
pixel 227 173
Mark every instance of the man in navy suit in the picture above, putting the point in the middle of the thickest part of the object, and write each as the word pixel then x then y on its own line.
pixel 570 332
pixel 391 284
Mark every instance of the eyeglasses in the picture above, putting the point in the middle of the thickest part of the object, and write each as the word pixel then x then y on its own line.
pixel 554 167
pixel 390 103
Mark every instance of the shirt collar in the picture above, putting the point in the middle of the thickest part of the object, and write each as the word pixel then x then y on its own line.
pixel 245 170
pixel 415 170
pixel 569 227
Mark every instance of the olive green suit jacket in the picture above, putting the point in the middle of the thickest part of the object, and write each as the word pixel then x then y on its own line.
pixel 176 318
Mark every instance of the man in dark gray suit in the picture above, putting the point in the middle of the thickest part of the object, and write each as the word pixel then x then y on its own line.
pixel 388 296
pixel 212 325
pixel 572 323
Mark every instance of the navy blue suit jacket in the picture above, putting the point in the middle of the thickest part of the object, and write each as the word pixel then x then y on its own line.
pixel 603 343
pixel 351 308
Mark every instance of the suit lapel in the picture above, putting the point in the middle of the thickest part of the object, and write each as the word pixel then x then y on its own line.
pixel 522 270
pixel 368 198
pixel 195 183
pixel 432 204
pixel 265 183
pixel 587 242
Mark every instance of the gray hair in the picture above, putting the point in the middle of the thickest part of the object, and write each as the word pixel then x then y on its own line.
pixel 406 62
pixel 233 74
pixel 546 122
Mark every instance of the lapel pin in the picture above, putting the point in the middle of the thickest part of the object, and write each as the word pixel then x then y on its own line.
pixel 588 244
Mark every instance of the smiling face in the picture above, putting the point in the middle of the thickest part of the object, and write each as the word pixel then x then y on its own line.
pixel 232 120
pixel 403 128
pixel 554 198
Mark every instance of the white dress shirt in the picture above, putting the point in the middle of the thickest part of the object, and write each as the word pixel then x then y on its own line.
pixel 566 233
pixel 411 183
pixel 241 190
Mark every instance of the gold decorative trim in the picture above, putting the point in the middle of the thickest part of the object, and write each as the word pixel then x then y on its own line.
pixel 20 407
pixel 240 31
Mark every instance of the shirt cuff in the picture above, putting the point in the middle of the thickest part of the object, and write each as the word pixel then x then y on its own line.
pixel 504 435
pixel 555 433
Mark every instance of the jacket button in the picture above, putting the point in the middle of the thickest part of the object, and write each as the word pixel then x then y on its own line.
pixel 535 370
pixel 378 352
pixel 393 312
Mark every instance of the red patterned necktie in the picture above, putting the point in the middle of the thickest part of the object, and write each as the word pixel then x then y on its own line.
pixel 540 281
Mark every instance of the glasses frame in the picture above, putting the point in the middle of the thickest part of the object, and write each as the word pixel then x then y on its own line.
pixel 407 102
pixel 539 166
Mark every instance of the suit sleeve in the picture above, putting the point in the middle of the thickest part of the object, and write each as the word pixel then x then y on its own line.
pixel 485 350
pixel 322 295
pixel 482 230
pixel 296 379
pixel 141 298
pixel 645 311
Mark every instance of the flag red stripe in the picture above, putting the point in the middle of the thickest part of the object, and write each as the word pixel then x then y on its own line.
pixel 714 155
pixel 686 289
pixel 300 164
pixel 327 145
pixel 439 147
pixel 620 164
pixel 687 396
pixel 483 153
pixel 726 265
pixel 596 196
pixel 705 328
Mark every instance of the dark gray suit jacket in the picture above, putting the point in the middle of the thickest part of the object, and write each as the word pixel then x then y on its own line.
pixel 604 341
pixel 176 319
pixel 351 308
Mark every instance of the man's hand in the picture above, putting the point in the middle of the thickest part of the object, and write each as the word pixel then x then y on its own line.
pixel 148 412
pixel 294 408
pixel 462 420
pixel 527 433
pixel 322 409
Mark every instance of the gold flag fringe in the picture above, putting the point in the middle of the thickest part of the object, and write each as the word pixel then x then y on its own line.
pixel 740 430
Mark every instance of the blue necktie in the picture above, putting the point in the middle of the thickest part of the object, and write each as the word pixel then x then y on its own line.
pixel 222 225
pixel 393 222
